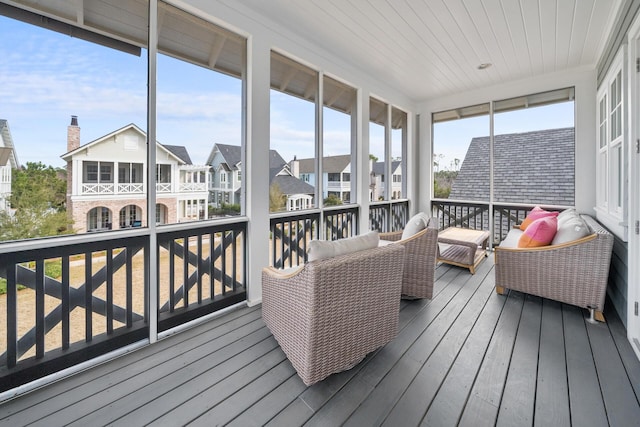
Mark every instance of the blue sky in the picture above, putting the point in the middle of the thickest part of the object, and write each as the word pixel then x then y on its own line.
pixel 46 77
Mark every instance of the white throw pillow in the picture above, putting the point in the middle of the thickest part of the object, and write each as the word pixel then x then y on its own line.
pixel 566 215
pixel 322 249
pixel 572 228
pixel 416 224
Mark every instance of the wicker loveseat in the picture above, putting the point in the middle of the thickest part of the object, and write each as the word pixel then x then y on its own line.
pixel 419 259
pixel 329 314
pixel 573 272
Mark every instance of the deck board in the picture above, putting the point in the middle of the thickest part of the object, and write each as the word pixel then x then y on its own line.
pixel 585 399
pixel 517 403
pixel 552 391
pixel 468 356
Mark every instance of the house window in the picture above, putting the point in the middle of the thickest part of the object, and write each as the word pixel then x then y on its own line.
pixel 223 177
pixel 98 172
pixel 334 177
pixel 239 175
pixel 90 172
pixel 611 163
pixel 106 172
pixel 163 174
pixel 346 177
pixel 130 173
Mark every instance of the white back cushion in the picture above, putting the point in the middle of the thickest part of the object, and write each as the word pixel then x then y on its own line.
pixel 322 249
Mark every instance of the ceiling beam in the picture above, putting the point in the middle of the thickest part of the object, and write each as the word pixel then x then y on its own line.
pixel 80 12
pixel 216 50
pixel 291 71
pixel 335 97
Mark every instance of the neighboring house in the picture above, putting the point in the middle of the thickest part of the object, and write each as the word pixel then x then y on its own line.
pixel 8 162
pixel 225 182
pixel 107 183
pixel 530 167
pixel 377 187
pixel 299 194
pixel 336 175
pixel 226 178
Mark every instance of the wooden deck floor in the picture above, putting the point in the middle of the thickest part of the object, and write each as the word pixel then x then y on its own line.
pixel 467 357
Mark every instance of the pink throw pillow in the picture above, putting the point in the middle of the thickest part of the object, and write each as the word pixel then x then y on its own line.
pixel 536 213
pixel 539 233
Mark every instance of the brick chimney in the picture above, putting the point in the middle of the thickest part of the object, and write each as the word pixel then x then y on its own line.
pixel 73 142
pixel 73 134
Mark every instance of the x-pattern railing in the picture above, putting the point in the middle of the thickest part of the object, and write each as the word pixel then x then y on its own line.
pixel 16 273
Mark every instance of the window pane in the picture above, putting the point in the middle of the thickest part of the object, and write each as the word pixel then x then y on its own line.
pixel 603 122
pixel 55 83
pixel 398 136
pixel 200 67
pixel 461 154
pixel 534 154
pixel 338 115
pixel 377 141
pixel 294 89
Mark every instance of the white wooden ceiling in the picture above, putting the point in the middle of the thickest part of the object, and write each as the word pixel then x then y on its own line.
pixel 430 48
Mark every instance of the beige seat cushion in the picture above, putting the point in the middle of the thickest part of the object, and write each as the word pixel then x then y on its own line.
pixel 322 249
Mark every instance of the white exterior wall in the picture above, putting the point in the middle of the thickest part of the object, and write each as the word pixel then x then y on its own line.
pixel 584 82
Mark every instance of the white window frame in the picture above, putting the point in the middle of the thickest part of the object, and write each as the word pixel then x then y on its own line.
pixel 611 148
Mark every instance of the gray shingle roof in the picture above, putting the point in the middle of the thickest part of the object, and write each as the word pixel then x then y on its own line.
pixel 233 155
pixel 532 167
pixel 290 185
pixel 378 167
pixel 180 152
pixel 330 164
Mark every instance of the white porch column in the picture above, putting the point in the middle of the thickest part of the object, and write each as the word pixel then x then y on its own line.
pixel 362 170
pixel 257 170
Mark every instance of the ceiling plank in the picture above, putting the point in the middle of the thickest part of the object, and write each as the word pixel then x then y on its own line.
pixel 531 16
pixel 579 32
pixel 548 18
pixel 517 36
pixel 564 30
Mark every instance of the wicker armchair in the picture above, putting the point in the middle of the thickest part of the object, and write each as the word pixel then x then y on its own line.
pixel 574 273
pixel 329 314
pixel 419 260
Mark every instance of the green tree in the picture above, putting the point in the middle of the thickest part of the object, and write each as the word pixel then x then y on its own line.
pixel 38 195
pixel 332 200
pixel 277 199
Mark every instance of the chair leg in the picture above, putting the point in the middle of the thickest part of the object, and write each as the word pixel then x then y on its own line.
pixel 501 290
pixel 595 316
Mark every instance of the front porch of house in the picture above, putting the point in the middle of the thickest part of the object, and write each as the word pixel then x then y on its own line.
pixel 468 356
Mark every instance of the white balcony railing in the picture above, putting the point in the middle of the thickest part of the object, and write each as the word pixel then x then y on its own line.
pixel 193 186
pixel 97 188
pixel 131 188
pixel 163 187
pixel 339 185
